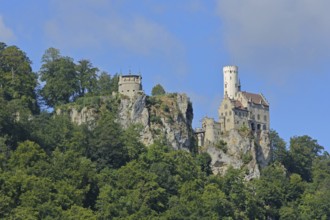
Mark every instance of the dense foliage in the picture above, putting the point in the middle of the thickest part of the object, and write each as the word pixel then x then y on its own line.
pixel 51 168
pixel 158 90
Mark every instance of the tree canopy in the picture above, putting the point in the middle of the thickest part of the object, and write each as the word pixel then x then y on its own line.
pixel 158 90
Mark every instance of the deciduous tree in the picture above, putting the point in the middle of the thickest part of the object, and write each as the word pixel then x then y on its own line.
pixel 60 77
pixel 158 90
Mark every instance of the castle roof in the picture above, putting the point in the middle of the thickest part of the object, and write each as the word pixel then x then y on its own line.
pixel 238 105
pixel 255 98
pixel 135 76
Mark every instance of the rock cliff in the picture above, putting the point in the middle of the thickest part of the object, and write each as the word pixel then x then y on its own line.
pixel 166 117
pixel 240 149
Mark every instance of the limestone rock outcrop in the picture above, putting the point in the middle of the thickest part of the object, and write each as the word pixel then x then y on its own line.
pixel 167 117
pixel 240 150
pixel 83 116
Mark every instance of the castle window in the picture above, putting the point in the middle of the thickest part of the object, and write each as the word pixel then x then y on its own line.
pixel 258 116
pixel 229 113
pixel 265 118
pixel 226 106
pixel 258 127
pixel 264 127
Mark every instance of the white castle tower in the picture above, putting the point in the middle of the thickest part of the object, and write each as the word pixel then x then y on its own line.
pixel 231 82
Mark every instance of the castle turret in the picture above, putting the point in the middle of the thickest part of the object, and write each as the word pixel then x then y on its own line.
pixel 129 84
pixel 231 81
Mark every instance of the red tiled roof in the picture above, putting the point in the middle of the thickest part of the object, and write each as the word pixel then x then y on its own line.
pixel 255 98
pixel 238 104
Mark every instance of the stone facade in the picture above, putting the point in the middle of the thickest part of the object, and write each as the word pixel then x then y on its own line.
pixel 130 85
pixel 211 130
pixel 244 110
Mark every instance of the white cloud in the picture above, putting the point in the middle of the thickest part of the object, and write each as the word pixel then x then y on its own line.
pixel 120 29
pixel 279 37
pixel 6 34
pixel 101 24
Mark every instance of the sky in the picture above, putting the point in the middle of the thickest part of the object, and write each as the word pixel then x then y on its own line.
pixel 282 49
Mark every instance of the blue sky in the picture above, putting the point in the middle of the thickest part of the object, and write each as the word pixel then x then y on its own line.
pixel 281 47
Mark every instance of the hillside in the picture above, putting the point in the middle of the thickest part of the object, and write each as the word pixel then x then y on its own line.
pixel 96 154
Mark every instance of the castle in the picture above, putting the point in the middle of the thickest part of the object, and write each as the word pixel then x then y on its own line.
pixel 238 110
pixel 129 85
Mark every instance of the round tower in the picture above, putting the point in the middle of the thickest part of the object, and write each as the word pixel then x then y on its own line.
pixel 230 80
pixel 129 84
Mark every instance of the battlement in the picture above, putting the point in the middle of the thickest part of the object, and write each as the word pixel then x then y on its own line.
pixel 230 68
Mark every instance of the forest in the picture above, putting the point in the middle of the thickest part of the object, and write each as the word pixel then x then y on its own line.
pixel 51 168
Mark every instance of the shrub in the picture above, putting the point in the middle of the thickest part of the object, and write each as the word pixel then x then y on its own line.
pixel 155 119
pixel 158 90
pixel 246 158
pixel 165 108
pixel 222 145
